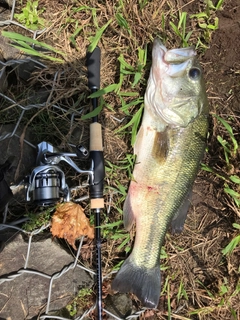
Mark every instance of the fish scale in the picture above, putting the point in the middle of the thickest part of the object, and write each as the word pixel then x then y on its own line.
pixel 169 147
pixel 178 182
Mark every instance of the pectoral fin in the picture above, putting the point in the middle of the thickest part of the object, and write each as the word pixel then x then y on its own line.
pixel 161 146
pixel 128 216
pixel 138 142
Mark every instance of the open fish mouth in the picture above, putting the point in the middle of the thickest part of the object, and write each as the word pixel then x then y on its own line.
pixel 173 56
pixel 175 60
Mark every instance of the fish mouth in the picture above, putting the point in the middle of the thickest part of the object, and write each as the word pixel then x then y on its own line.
pixel 173 56
pixel 175 61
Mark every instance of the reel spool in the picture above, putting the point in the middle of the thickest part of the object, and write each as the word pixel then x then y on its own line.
pixel 47 185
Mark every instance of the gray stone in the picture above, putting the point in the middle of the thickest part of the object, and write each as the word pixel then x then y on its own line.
pixel 25 69
pixel 26 296
pixel 22 65
pixel 11 147
pixel 120 305
pixel 7 50
pixel 8 2
pixel 3 79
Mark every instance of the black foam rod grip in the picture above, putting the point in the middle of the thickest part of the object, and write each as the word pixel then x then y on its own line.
pixel 93 65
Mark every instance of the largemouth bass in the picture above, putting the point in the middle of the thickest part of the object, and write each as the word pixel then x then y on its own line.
pixel 169 147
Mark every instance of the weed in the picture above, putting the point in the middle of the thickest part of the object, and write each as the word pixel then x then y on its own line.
pixel 27 44
pixel 180 28
pixel 181 292
pixel 231 181
pixel 207 21
pixel 137 72
pixel 134 123
pixel 30 16
pixel 37 220
pixel 125 165
pixel 126 70
pixel 122 22
pixel 75 34
pixel 230 148
pixel 222 300
pixel 114 231
pixel 142 4
pixel 233 243
pixel 95 39
pixel 81 301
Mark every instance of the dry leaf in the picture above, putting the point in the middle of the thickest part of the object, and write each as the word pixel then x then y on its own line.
pixel 69 222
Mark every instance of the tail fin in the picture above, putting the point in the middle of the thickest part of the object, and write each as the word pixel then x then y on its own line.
pixel 144 283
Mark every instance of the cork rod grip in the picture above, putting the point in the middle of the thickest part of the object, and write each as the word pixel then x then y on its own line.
pixel 96 143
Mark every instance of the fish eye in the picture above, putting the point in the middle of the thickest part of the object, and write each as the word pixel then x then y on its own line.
pixel 194 73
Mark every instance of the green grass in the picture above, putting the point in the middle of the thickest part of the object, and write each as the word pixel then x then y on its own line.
pixel 25 44
pixel 80 301
pixel 231 182
pixel 180 29
pixel 30 16
pixel 233 243
pixel 229 147
pixel 36 220
pixel 208 22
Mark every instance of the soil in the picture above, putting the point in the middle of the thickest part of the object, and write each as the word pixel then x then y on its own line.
pixel 194 262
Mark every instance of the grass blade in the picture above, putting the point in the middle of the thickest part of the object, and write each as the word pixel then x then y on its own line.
pixel 93 113
pixel 97 37
pixel 101 92
pixel 231 246
pixel 18 37
pixel 33 52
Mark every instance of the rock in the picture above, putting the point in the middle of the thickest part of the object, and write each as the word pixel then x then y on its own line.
pixel 3 80
pixel 6 3
pixel 26 296
pixel 120 305
pixel 8 52
pixel 5 192
pixel 11 147
pixel 25 69
pixel 18 65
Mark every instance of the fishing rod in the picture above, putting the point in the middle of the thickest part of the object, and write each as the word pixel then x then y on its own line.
pixel 96 154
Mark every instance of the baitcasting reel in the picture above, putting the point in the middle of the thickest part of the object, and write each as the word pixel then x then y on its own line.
pixel 46 185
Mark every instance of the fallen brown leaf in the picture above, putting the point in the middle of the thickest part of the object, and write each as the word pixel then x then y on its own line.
pixel 70 222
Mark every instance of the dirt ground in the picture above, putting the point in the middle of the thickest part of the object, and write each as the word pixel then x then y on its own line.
pixel 199 282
